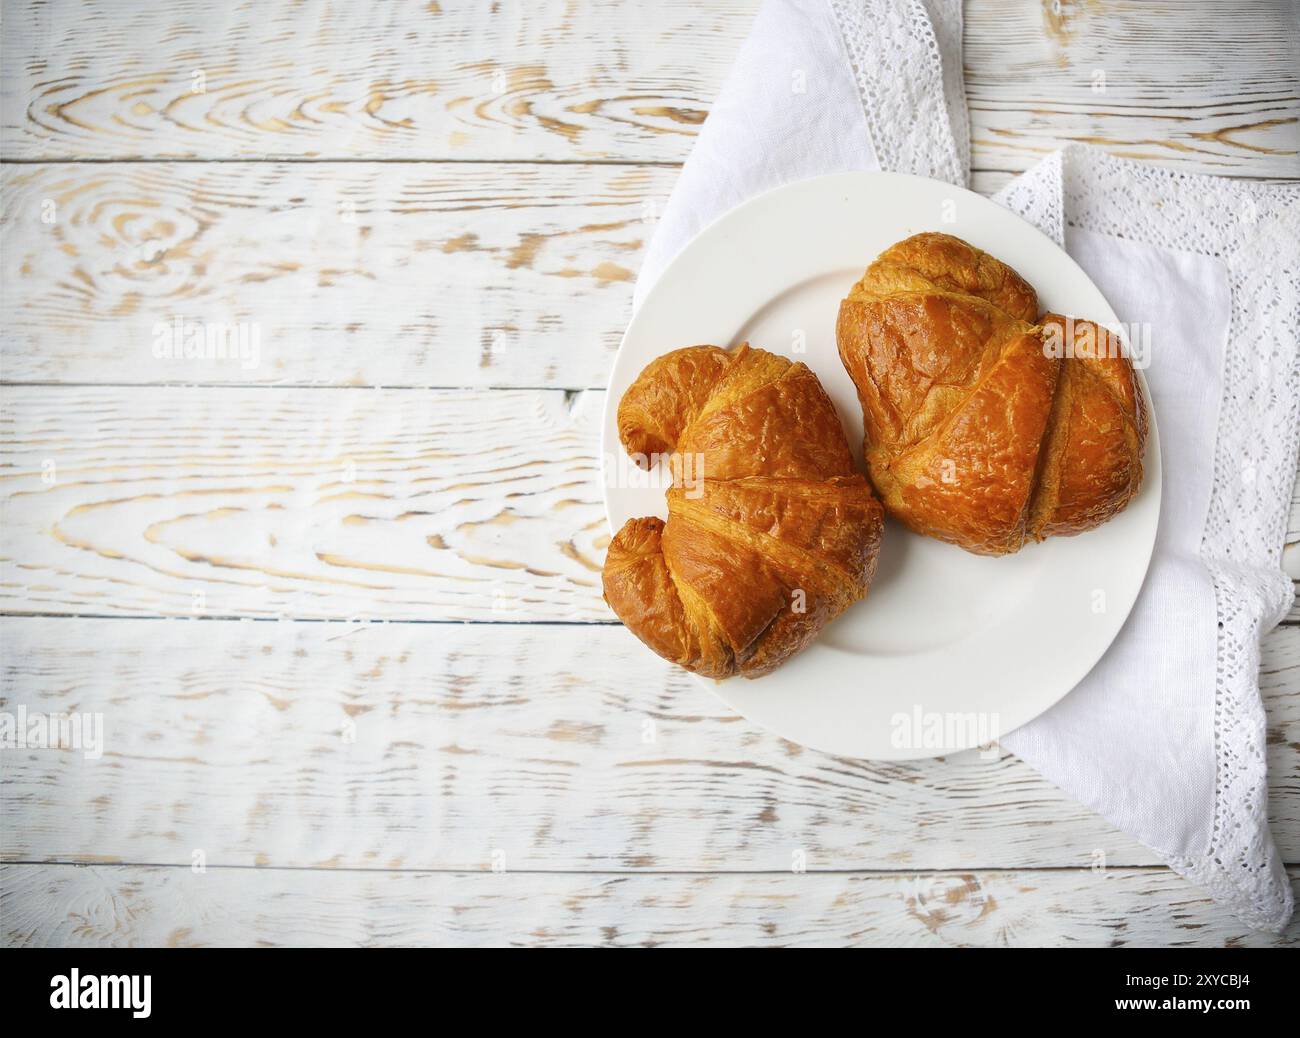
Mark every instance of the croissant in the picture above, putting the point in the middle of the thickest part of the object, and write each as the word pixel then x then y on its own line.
pixel 985 425
pixel 775 536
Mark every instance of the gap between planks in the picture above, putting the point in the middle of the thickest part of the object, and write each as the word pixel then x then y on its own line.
pixel 1292 869
pixel 598 873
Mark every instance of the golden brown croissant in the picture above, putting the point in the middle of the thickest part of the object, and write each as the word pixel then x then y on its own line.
pixel 776 536
pixel 984 424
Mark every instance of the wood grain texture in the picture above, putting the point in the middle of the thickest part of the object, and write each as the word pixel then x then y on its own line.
pixel 410 79
pixel 442 745
pixel 309 503
pixel 101 906
pixel 397 504
pixel 354 274
pixel 372 753
pixel 1204 86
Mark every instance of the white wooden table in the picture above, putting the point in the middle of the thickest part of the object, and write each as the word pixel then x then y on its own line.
pixel 340 610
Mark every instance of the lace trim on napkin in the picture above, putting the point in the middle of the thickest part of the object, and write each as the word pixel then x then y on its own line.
pixel 1253 230
pixel 914 101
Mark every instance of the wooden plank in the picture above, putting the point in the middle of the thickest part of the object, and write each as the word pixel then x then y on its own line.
pixel 350 274
pixel 311 503
pixel 514 277
pixel 465 505
pixel 1189 85
pixel 442 746
pixel 353 274
pixel 1205 87
pixel 101 906
pixel 410 79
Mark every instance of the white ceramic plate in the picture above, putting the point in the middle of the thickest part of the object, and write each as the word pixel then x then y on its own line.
pixel 948 650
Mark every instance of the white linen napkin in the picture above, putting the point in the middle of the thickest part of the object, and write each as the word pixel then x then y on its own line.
pixel 1165 737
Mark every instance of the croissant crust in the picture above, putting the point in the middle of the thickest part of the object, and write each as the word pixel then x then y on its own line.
pixel 771 532
pixel 986 425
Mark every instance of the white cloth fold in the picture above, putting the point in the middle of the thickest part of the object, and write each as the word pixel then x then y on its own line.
pixel 1165 737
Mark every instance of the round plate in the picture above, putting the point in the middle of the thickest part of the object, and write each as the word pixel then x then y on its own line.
pixel 948 650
